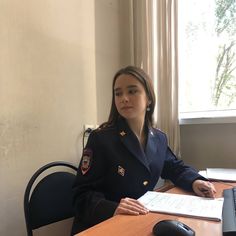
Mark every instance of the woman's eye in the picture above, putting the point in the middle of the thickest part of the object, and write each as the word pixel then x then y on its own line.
pixel 133 91
pixel 117 94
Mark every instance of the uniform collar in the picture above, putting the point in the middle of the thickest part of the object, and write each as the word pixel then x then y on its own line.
pixel 152 144
pixel 129 139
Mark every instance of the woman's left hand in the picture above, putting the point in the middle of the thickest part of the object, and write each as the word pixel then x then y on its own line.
pixel 204 188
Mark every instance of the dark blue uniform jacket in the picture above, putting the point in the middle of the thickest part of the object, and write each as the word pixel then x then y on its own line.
pixel 115 166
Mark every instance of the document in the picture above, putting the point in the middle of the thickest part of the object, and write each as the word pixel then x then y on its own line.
pixel 221 174
pixel 186 205
pixel 203 173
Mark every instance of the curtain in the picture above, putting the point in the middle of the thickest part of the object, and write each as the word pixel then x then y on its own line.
pixel 167 71
pixel 154 25
pixel 141 19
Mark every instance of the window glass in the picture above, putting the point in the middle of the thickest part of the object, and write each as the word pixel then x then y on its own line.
pixel 207 55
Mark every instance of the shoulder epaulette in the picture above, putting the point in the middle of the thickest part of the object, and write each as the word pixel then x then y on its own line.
pixel 104 129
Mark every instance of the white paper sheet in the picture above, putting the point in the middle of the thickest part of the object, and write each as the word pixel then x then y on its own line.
pixel 221 174
pixel 203 173
pixel 179 204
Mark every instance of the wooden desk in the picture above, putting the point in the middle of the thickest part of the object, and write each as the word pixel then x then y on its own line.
pixel 124 225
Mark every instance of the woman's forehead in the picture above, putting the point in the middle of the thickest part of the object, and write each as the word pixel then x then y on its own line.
pixel 126 80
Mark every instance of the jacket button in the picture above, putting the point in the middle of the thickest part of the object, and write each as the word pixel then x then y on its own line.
pixel 145 182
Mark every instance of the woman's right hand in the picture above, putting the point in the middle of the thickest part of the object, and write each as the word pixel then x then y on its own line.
pixel 129 206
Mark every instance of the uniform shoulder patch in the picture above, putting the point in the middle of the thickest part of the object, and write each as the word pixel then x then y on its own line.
pixel 86 160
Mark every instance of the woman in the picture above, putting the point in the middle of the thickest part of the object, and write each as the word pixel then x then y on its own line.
pixel 125 157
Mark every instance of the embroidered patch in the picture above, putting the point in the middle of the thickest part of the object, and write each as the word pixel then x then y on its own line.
pixel 86 161
pixel 121 171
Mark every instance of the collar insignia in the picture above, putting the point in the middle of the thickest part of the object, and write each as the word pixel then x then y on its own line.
pixel 122 133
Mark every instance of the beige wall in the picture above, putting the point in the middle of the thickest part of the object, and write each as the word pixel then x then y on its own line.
pixel 56 63
pixel 209 145
pixel 112 43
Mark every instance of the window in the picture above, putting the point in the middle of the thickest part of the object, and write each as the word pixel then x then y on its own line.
pixel 207 58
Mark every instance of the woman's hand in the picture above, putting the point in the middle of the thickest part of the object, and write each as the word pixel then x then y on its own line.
pixel 204 188
pixel 130 206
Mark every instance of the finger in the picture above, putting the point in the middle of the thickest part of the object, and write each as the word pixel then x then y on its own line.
pixel 200 193
pixel 210 189
pixel 123 210
pixel 207 192
pixel 213 187
pixel 134 207
pixel 130 210
pixel 137 202
pixel 211 193
pixel 134 203
pixel 137 211
pixel 210 185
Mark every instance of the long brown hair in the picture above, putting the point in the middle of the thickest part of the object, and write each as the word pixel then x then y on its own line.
pixel 145 80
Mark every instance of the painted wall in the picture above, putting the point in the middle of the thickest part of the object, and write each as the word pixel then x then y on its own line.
pixel 56 63
pixel 112 43
pixel 209 145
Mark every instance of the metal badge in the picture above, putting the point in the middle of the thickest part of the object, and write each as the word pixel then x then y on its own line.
pixel 121 171
pixel 122 133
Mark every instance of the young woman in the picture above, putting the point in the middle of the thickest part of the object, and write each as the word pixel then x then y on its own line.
pixel 125 157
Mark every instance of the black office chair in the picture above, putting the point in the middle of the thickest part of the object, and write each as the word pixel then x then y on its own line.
pixel 51 199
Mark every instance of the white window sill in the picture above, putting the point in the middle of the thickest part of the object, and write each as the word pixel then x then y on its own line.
pixel 210 117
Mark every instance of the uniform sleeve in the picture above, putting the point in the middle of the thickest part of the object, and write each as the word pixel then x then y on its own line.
pixel 180 174
pixel 90 203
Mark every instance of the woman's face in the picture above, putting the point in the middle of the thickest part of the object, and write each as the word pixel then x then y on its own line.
pixel 130 97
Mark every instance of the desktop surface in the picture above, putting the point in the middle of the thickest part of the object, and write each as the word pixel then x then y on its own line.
pixel 142 225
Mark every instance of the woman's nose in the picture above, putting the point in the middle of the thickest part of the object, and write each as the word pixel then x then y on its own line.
pixel 124 99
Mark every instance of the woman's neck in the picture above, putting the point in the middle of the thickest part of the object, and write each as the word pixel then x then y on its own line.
pixel 137 126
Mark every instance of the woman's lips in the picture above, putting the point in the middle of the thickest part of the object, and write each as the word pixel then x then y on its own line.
pixel 126 108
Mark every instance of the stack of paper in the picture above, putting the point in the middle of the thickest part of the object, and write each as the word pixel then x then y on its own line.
pixel 219 174
pixel 179 204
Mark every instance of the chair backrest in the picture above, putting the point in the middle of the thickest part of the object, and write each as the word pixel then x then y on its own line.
pixel 51 199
